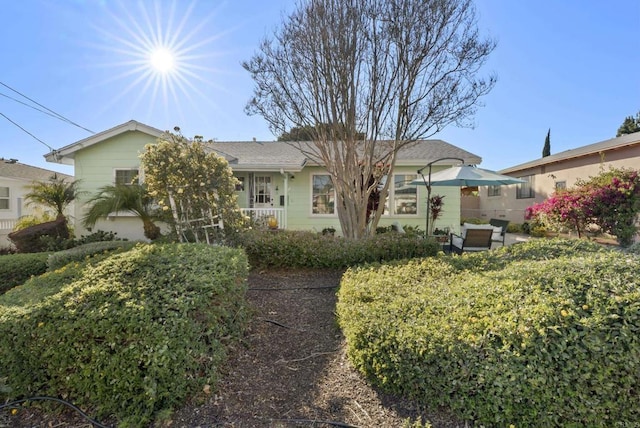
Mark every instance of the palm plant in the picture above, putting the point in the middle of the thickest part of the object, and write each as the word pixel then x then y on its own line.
pixel 55 193
pixel 123 197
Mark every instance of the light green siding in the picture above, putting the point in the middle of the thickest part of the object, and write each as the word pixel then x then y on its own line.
pixel 95 167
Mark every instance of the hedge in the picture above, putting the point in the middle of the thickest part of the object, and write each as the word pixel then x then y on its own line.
pixel 17 268
pixel 527 339
pixel 85 251
pixel 133 335
pixel 293 249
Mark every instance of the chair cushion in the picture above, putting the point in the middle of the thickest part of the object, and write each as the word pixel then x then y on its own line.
pixel 467 226
pixel 456 241
pixel 497 234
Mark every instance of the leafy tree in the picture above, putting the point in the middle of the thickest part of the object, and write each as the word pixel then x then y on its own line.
pixel 395 71
pixel 194 186
pixel 630 125
pixel 546 150
pixel 123 197
pixel 56 193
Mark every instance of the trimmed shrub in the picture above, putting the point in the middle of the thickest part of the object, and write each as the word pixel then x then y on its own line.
pixel 82 252
pixel 17 268
pixel 29 240
pixel 526 340
pixel 133 335
pixel 313 250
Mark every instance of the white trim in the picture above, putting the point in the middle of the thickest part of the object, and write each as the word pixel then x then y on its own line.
pixel 321 215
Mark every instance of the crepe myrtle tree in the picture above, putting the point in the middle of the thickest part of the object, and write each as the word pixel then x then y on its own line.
pixel 192 185
pixel 368 77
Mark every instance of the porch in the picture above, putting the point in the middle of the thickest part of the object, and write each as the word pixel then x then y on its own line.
pixel 261 216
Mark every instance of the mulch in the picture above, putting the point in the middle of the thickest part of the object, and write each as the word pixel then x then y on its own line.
pixel 290 370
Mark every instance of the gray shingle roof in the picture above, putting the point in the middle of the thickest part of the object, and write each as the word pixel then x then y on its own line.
pixel 20 171
pixel 602 146
pixel 273 155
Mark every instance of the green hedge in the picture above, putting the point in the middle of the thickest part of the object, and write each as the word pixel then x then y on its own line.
pixel 539 335
pixel 313 250
pixel 130 336
pixel 17 268
pixel 82 252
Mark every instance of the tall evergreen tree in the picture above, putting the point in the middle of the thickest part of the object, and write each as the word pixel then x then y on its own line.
pixel 546 150
pixel 630 125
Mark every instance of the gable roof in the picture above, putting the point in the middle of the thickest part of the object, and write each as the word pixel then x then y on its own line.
pixel 277 155
pixel 66 154
pixel 269 155
pixel 590 149
pixel 20 171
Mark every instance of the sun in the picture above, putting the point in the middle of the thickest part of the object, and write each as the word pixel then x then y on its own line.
pixel 162 60
pixel 159 53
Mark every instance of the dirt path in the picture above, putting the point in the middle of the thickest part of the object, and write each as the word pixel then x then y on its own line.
pixel 290 370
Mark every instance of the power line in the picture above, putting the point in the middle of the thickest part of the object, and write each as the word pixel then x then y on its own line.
pixel 29 105
pixel 48 146
pixel 58 115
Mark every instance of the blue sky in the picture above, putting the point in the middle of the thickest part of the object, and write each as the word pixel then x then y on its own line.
pixel 568 65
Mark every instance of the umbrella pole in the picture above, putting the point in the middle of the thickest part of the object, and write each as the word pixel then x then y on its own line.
pixel 428 185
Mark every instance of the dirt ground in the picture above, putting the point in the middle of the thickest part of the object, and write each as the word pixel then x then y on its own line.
pixel 290 370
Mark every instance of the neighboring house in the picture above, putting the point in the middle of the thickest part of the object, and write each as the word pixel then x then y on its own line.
pixel 559 171
pixel 276 179
pixel 15 177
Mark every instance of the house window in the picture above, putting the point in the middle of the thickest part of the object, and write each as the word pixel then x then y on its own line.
pixel 404 196
pixel 323 195
pixel 525 190
pixel 493 190
pixel 126 176
pixel 4 198
pixel 561 185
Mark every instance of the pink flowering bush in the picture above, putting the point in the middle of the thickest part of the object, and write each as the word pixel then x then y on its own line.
pixel 610 200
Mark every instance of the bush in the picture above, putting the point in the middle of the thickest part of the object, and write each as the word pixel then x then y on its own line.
pixel 313 250
pixel 39 238
pixel 133 335
pixel 17 268
pixel 527 340
pixel 82 252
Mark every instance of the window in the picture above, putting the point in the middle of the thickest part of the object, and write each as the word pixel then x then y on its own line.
pixel 525 190
pixel 126 176
pixel 323 195
pixel 404 195
pixel 4 198
pixel 561 185
pixel 493 190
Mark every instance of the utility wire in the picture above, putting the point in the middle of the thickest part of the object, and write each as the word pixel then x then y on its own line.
pixel 48 146
pixel 58 115
pixel 29 105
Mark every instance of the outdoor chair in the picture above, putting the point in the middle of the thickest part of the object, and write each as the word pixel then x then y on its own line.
pixel 502 224
pixel 471 240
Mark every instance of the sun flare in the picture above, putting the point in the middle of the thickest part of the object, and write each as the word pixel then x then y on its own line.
pixel 162 60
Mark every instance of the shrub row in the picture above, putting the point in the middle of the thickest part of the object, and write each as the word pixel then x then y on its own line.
pixel 82 252
pixel 543 334
pixel 17 268
pixel 313 250
pixel 129 336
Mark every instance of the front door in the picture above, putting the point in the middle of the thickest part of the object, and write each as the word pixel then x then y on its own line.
pixel 262 192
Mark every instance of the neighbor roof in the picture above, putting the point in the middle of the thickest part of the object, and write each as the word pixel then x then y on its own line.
pixel 602 146
pixel 20 171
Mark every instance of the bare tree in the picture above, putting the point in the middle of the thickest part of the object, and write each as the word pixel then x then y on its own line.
pixel 395 70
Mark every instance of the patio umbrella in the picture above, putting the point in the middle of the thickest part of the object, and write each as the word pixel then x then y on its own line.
pixel 464 175
pixel 467 175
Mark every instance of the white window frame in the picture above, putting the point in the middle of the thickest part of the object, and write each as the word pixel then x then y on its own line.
pixel 6 198
pixel 391 199
pixel 137 171
pixel 311 208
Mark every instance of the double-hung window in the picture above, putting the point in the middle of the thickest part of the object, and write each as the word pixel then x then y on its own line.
pixel 323 195
pixel 404 195
pixel 4 198
pixel 525 190
pixel 126 176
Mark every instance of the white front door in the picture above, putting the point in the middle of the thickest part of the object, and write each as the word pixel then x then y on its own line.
pixel 262 192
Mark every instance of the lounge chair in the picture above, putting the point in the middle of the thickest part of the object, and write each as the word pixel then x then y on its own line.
pixel 471 240
pixel 502 224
